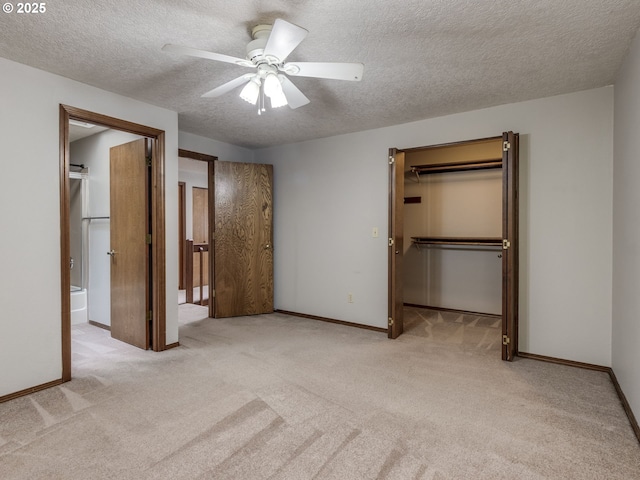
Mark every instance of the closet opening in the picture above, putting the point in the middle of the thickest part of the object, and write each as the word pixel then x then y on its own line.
pixel 453 243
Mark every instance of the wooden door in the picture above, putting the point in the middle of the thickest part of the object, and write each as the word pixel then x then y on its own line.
pixel 200 222
pixel 510 245
pixel 396 242
pixel 130 302
pixel 243 239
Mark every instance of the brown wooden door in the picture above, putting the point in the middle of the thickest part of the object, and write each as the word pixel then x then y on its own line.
pixel 396 242
pixel 129 178
pixel 510 245
pixel 243 239
pixel 200 222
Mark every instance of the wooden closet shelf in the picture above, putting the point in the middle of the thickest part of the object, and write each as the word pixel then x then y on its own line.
pixel 457 166
pixel 471 241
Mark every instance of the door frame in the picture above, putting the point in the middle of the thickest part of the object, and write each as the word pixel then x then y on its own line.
pixel 210 159
pixel 510 271
pixel 158 219
pixel 182 233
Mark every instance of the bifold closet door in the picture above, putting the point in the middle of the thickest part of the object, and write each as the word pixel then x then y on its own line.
pixel 510 245
pixel 396 242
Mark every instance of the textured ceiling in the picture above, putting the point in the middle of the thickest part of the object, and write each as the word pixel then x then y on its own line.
pixel 423 58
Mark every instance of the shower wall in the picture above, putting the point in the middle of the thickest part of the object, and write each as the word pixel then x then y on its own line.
pixel 75 230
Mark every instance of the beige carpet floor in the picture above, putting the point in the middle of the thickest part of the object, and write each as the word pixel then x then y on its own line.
pixel 279 397
pixel 471 333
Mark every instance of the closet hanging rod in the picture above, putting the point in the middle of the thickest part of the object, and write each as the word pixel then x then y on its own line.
pixel 95 218
pixel 458 241
pixel 457 166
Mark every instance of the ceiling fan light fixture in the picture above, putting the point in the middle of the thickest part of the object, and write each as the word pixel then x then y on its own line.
pixel 251 91
pixel 272 85
pixel 267 53
pixel 278 100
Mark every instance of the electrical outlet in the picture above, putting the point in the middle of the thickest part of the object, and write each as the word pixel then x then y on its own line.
pixel 374 232
pixel 350 297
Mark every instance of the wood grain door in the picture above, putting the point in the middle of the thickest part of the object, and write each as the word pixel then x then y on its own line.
pixel 243 239
pixel 396 242
pixel 200 222
pixel 130 302
pixel 510 245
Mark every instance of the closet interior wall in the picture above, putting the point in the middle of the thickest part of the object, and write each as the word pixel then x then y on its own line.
pixel 461 204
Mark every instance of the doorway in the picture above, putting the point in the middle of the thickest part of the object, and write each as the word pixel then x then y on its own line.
pixel 195 175
pixel 155 210
pixel 195 171
pixel 240 237
pixel 452 239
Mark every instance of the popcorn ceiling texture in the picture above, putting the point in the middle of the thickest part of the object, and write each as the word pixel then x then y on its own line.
pixel 423 58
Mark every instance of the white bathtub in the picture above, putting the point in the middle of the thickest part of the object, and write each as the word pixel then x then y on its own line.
pixel 78 305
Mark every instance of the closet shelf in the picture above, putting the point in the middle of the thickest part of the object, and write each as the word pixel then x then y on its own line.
pixel 465 241
pixel 457 166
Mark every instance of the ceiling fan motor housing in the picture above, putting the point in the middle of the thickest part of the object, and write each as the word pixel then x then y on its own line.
pixel 255 48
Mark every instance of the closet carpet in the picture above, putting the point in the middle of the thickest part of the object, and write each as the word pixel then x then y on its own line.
pixel 470 332
pixel 279 397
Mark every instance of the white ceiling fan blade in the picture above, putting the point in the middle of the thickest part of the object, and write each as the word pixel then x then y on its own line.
pixel 194 52
pixel 295 98
pixel 227 87
pixel 334 71
pixel 284 38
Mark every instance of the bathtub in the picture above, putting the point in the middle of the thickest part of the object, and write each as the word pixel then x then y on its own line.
pixel 78 305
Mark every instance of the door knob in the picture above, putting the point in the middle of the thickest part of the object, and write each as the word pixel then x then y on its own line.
pixel 111 253
pixel 267 246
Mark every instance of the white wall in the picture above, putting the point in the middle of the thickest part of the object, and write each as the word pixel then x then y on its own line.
pixel 626 228
pixel 223 151
pixel 94 152
pixel 329 193
pixel 30 338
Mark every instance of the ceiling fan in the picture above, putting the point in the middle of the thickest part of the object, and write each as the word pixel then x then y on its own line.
pixel 266 53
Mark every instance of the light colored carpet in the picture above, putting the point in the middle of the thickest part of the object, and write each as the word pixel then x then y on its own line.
pixel 279 397
pixel 471 333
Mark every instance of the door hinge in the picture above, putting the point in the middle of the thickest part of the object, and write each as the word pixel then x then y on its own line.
pixel 506 146
pixel 213 293
pixel 506 244
pixel 148 161
pixel 392 160
pixel 148 239
pixel 391 321
pixel 149 315
pixel 505 340
pixel 391 242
